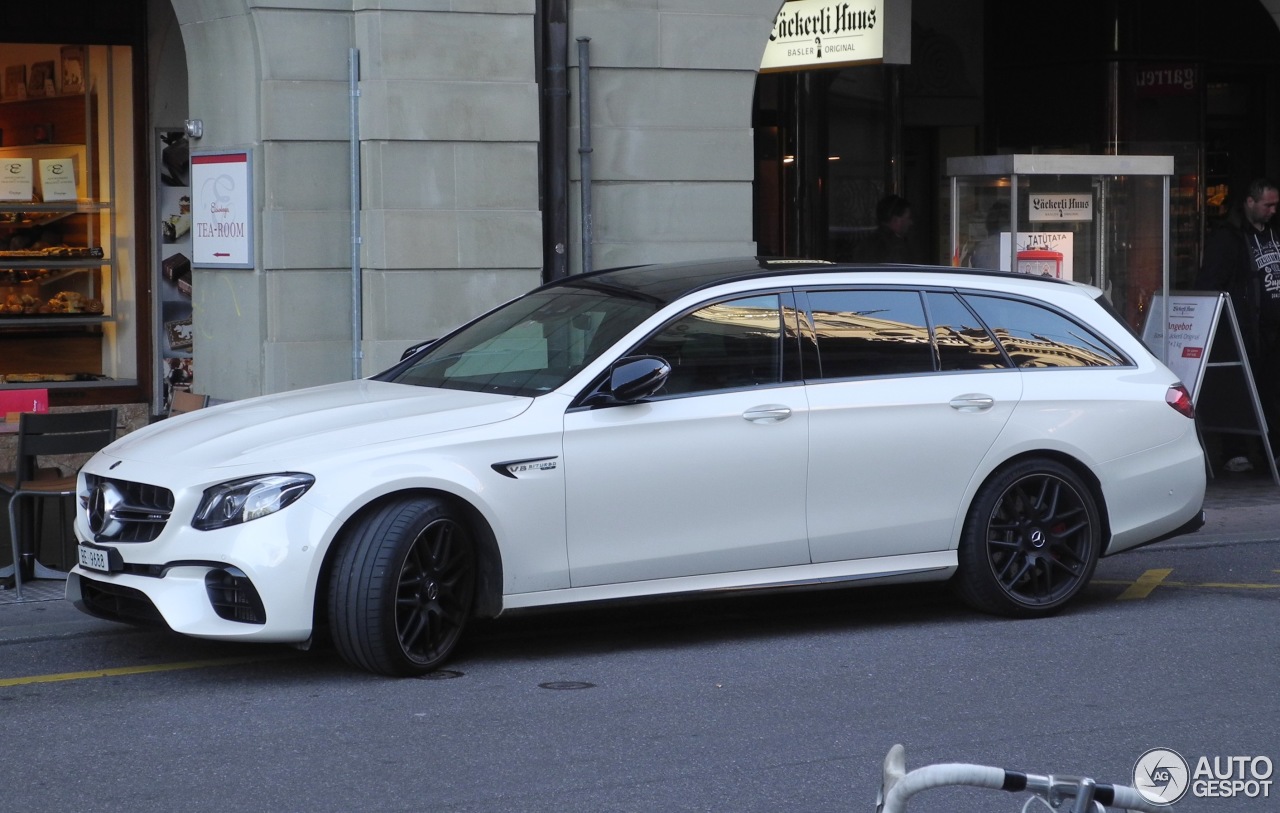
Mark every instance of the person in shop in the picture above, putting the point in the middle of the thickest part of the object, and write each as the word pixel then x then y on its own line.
pixel 987 253
pixel 891 242
pixel 1242 257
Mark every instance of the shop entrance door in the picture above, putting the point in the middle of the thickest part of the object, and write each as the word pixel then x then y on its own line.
pixel 828 146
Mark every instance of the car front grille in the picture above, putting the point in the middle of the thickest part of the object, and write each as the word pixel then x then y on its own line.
pixel 123 511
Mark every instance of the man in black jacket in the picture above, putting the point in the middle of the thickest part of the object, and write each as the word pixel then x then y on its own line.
pixel 890 243
pixel 1242 257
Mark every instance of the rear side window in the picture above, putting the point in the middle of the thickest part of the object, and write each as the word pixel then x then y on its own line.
pixel 1036 336
pixel 864 333
pixel 963 343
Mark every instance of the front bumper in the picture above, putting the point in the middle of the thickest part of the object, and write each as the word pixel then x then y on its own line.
pixel 251 582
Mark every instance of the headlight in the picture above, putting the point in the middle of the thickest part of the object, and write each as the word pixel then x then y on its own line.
pixel 238 501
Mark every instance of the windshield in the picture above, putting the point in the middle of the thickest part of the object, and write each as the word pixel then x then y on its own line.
pixel 529 346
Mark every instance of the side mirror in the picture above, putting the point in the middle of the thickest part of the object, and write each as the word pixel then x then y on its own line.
pixel 637 377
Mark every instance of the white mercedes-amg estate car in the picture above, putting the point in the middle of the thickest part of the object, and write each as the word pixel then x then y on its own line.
pixel 653 431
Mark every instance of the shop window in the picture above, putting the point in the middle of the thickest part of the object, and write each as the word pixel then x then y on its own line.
pixel 69 313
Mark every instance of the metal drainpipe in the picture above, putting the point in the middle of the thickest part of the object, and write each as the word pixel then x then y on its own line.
pixel 584 145
pixel 556 138
pixel 357 297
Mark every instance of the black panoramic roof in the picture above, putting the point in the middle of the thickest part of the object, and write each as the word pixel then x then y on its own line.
pixel 667 282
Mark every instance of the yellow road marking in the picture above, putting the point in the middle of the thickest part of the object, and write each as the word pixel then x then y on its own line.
pixel 1144 584
pixel 1229 585
pixel 129 670
pixel 1151 579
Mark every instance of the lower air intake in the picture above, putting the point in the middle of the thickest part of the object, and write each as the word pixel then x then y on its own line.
pixel 233 596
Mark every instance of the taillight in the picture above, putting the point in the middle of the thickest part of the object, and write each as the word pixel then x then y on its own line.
pixel 1178 398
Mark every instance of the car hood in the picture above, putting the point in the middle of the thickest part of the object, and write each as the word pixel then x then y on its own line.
pixel 301 424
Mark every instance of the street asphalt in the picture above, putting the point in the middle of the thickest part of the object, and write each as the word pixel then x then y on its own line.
pixel 1238 508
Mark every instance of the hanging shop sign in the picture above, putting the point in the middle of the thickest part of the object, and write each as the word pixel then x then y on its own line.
pixel 221 210
pixel 1060 208
pixel 812 34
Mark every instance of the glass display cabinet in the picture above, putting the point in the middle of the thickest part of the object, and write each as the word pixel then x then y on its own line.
pixel 64 322
pixel 1100 219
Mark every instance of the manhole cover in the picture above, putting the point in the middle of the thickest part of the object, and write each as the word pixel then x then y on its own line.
pixel 566 684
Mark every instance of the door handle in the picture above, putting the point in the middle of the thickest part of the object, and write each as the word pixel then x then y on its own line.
pixel 768 413
pixel 972 402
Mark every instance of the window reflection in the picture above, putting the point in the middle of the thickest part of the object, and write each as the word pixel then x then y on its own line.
pixel 875 333
pixel 963 343
pixel 529 346
pixel 727 345
pixel 870 333
pixel 1035 336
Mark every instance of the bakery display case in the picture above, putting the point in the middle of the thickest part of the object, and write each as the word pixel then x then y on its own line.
pixel 49 271
pixel 60 285
pixel 56 292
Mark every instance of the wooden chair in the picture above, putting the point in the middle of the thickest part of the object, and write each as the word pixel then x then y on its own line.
pixel 183 401
pixel 44 434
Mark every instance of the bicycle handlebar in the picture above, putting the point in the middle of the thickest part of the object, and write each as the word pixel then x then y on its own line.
pixel 899 785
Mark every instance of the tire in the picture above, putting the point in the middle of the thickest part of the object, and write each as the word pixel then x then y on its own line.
pixel 1031 541
pixel 401 588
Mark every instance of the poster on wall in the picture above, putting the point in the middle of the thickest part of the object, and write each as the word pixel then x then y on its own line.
pixel 173 281
pixel 1041 253
pixel 222 210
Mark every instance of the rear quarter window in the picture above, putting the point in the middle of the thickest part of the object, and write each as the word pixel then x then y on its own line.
pixel 1034 335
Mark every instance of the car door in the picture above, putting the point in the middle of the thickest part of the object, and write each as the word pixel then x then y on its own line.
pixel 900 416
pixel 706 477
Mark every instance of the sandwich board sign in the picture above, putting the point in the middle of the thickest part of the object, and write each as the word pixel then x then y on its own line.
pixel 1197 336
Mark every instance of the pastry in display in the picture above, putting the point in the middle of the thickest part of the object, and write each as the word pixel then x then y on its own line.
pixel 21 303
pixel 67 302
pixel 38 378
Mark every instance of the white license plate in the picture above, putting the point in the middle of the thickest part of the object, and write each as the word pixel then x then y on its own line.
pixel 93 559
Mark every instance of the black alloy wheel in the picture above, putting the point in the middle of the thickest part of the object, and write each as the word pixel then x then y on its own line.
pixel 1031 541
pixel 402 587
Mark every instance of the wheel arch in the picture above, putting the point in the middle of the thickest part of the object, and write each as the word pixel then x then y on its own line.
pixel 1072 462
pixel 488 595
pixel 1037 555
